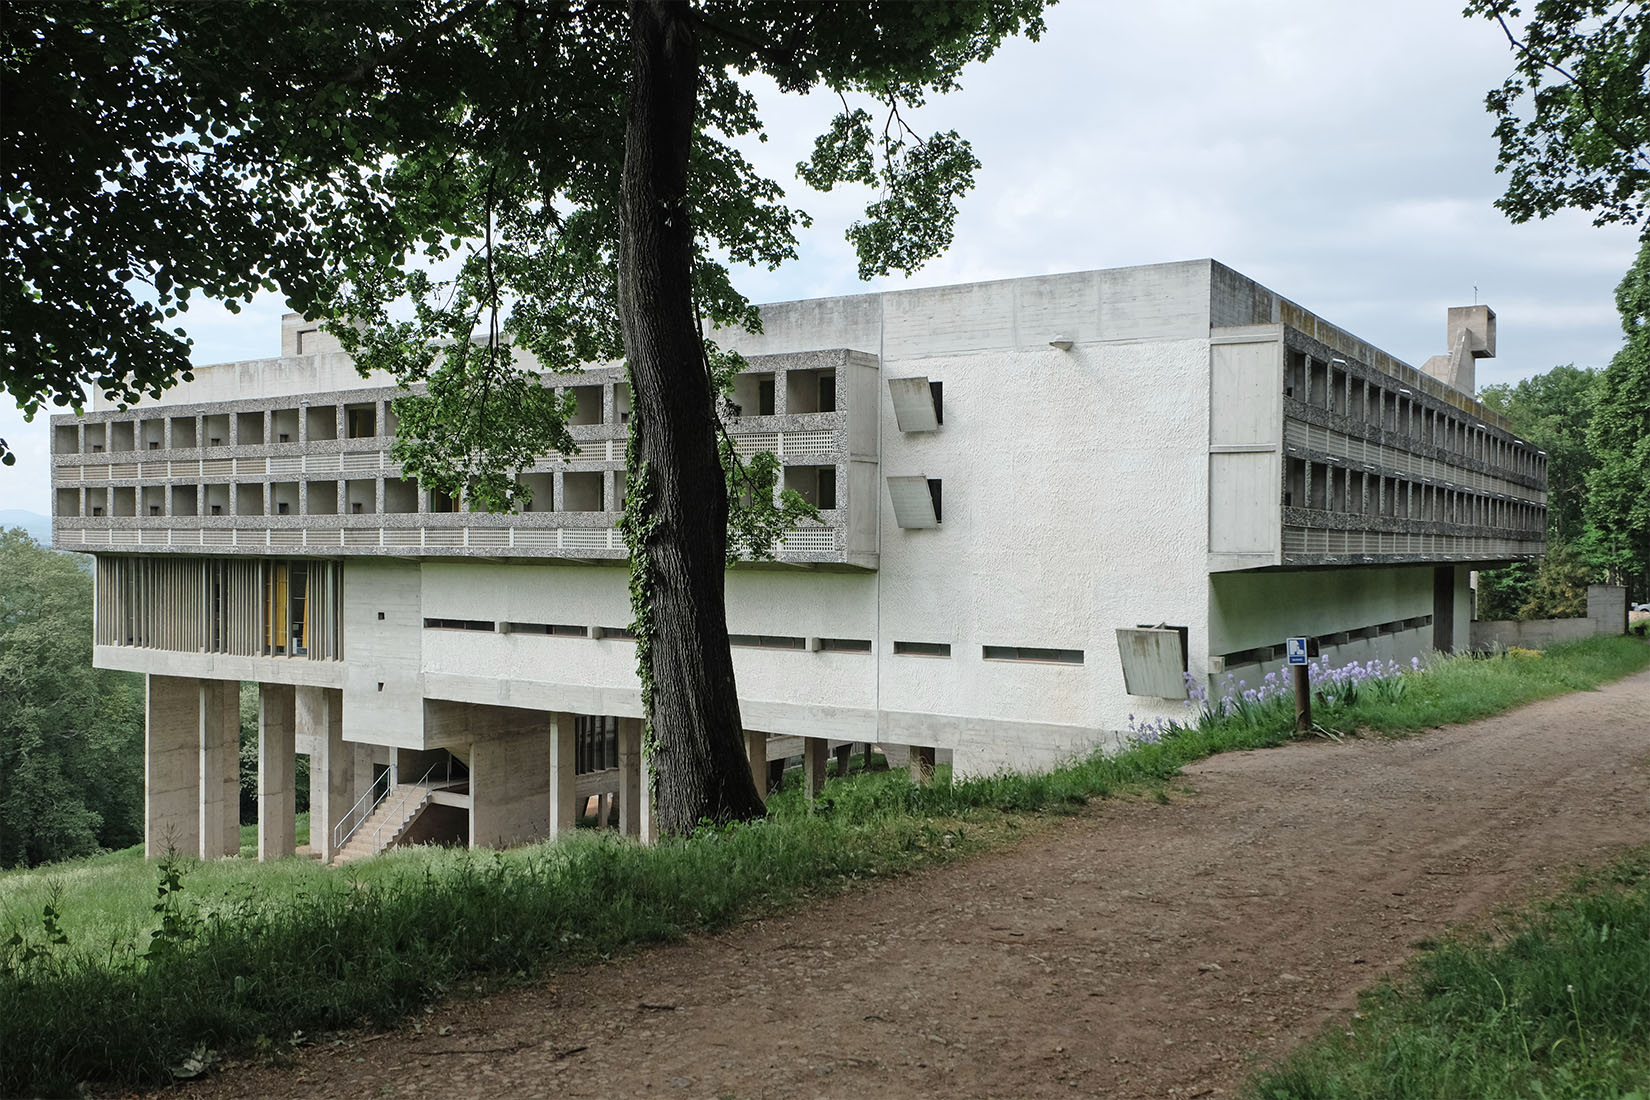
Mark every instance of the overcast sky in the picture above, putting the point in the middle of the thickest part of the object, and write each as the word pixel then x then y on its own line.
pixel 1337 152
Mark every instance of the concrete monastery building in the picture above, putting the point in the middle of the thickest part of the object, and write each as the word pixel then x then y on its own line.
pixel 1044 501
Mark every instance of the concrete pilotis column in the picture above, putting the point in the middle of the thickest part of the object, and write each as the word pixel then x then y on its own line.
pixel 171 766
pixel 564 810
pixel 631 780
pixel 816 751
pixel 844 754
pixel 219 726
pixel 277 786
pixel 922 764
pixel 509 788
pixel 320 720
pixel 647 818
pixel 360 772
pixel 756 748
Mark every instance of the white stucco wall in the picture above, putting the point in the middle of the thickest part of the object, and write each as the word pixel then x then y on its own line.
pixel 1074 503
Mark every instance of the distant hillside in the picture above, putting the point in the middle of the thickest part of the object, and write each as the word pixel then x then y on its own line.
pixel 38 526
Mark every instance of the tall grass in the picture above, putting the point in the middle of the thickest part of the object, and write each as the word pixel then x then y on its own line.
pixel 249 954
pixel 1559 1010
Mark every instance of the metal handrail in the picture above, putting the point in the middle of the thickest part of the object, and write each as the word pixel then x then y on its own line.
pixel 427 780
pixel 341 835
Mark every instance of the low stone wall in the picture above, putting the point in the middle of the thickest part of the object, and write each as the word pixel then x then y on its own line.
pixel 1606 614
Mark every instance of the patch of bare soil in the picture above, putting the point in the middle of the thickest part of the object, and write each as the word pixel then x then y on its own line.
pixel 1136 950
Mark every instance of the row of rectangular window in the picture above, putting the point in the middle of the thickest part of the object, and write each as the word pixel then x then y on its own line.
pixel 587 491
pixel 1336 488
pixel 1314 382
pixel 239 429
pixel 806 391
pixel 1362 633
pixel 1039 654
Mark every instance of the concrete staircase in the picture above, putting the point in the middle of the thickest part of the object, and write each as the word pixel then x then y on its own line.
pixel 388 823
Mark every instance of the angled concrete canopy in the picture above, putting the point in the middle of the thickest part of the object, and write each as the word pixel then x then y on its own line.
pixel 914 404
pixel 913 502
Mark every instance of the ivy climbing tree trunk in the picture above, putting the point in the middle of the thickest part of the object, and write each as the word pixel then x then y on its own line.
pixel 678 495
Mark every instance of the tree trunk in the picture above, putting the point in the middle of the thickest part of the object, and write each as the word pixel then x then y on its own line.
pixel 697 747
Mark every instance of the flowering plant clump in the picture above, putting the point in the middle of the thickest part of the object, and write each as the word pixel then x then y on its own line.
pixel 1271 699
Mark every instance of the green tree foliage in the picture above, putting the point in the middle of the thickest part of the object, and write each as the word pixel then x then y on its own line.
pixel 1595 427
pixel 135 176
pixel 1573 118
pixel 1553 411
pixel 1618 487
pixel 249 761
pixel 576 167
pixel 71 736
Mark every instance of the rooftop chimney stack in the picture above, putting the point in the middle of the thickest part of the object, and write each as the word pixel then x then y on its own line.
pixel 1471 337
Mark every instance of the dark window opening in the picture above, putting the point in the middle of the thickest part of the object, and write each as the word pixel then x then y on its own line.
pixel 559 630
pixel 766 641
pixel 922 649
pixel 845 645
pixel 458 624
pixel 1032 653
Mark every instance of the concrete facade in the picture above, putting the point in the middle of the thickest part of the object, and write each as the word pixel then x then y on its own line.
pixel 1010 473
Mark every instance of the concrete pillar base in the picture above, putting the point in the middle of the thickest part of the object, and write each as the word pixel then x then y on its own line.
pixel 171 766
pixel 510 788
pixel 631 779
pixel 277 760
pixel 756 751
pixel 815 753
pixel 922 764
pixel 564 809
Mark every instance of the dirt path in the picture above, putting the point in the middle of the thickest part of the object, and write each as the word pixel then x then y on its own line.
pixel 1138 950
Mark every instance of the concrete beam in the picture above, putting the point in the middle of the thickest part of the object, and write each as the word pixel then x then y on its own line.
pixel 277 781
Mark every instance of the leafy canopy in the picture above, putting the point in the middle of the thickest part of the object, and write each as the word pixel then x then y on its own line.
pixel 493 153
pixel 138 174
pixel 71 736
pixel 1618 488
pixel 1573 118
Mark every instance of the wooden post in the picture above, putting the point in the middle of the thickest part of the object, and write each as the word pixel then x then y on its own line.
pixel 1303 700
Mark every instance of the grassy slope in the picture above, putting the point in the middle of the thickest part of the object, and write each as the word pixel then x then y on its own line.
pixel 1559 1009
pixel 259 951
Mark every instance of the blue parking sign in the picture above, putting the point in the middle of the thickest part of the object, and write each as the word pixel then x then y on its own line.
pixel 1296 649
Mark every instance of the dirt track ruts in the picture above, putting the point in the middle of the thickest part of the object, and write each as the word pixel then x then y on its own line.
pixel 1135 950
